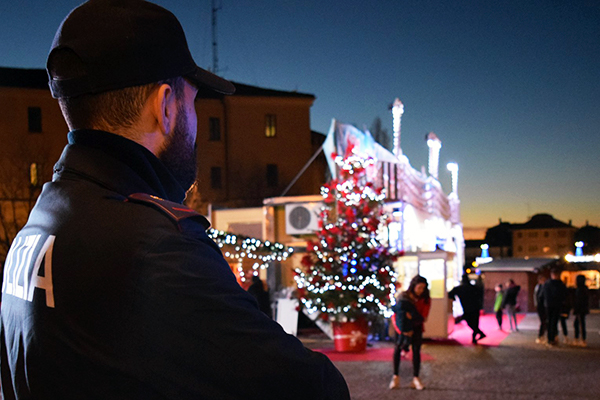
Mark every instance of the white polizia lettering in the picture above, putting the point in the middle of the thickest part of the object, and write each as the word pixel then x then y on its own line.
pixel 22 268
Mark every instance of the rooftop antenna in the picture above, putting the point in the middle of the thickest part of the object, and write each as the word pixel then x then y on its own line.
pixel 215 64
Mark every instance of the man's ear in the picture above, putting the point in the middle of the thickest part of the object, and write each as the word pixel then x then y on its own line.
pixel 165 107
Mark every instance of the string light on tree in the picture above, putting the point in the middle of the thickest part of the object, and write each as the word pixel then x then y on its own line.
pixel 240 247
pixel 347 273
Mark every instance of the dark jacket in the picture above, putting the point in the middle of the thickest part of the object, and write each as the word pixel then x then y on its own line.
pixel 554 293
pixel 581 304
pixel 510 296
pixel 403 308
pixel 115 294
pixel 538 297
pixel 469 295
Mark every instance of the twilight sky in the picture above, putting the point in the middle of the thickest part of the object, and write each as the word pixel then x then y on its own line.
pixel 511 87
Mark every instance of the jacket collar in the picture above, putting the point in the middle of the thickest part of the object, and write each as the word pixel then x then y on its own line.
pixel 119 164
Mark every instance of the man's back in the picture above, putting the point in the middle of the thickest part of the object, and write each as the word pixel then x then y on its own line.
pixel 554 293
pixel 91 245
pixel 132 303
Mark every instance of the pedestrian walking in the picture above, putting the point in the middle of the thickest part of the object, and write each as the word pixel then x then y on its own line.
pixel 510 304
pixel 125 295
pixel 565 310
pixel 498 304
pixel 470 300
pixel 410 313
pixel 581 308
pixel 554 294
pixel 538 302
pixel 258 291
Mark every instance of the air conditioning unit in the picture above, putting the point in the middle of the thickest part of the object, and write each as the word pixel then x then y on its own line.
pixel 302 218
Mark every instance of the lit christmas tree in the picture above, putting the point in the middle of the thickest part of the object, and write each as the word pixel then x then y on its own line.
pixel 347 273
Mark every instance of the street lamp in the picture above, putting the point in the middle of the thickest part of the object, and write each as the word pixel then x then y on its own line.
pixel 453 168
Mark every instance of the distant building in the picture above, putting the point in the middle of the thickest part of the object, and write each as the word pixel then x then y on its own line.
pixel 253 144
pixel 543 236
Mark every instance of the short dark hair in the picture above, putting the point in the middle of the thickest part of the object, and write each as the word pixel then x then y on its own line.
pixel 113 109
pixel 109 110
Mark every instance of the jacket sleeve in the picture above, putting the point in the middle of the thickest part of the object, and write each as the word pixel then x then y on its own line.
pixel 452 293
pixel 207 337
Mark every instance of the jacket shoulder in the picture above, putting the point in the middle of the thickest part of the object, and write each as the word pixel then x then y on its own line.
pixel 176 212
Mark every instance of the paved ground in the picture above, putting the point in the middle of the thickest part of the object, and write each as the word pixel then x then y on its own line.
pixel 516 369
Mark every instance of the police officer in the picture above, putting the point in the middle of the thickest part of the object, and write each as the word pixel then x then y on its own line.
pixel 113 290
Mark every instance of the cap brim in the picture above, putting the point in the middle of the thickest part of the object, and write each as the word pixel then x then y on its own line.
pixel 202 77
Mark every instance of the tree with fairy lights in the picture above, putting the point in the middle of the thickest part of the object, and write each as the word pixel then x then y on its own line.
pixel 347 274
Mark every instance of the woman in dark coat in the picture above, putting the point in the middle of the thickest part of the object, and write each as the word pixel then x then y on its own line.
pixel 411 311
pixel 257 289
pixel 581 307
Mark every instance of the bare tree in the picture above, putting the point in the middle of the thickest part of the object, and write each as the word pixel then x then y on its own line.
pixel 21 177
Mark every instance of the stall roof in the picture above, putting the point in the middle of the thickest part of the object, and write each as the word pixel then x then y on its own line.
pixel 517 264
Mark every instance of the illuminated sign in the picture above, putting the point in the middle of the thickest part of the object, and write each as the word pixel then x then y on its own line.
pixel 579 259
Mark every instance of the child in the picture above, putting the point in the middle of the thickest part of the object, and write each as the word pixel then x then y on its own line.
pixel 498 304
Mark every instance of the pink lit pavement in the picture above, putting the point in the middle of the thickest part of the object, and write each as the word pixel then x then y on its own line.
pixel 488 324
pixel 461 335
pixel 504 365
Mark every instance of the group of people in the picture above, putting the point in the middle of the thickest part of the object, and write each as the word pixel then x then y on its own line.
pixel 506 299
pixel 550 297
pixel 554 304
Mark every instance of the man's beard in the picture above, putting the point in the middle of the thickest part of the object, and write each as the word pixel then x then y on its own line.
pixel 178 155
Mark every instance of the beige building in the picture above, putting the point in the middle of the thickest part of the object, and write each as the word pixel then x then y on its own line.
pixel 251 145
pixel 543 236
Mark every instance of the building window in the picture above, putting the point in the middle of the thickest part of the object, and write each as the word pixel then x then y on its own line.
pixel 34 174
pixel 214 129
pixel 215 178
pixel 520 249
pixel 546 233
pixel 519 235
pixel 270 125
pixel 272 175
pixel 533 234
pixel 533 248
pixel 34 118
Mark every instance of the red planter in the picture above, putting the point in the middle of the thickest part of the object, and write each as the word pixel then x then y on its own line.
pixel 350 336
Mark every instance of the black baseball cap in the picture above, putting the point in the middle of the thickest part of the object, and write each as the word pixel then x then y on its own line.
pixel 123 43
